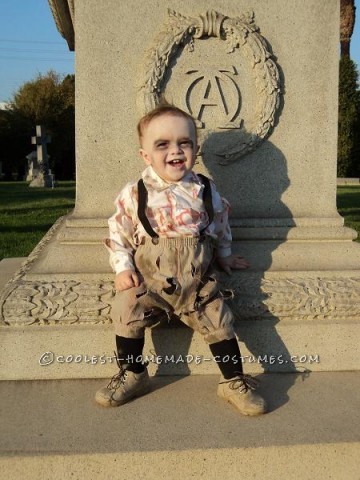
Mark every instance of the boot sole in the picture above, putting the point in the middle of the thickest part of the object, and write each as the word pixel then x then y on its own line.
pixel 104 403
pixel 248 414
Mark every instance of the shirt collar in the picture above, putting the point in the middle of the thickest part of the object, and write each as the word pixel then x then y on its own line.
pixel 190 183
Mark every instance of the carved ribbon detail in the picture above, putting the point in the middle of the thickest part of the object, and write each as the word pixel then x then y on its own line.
pixel 210 24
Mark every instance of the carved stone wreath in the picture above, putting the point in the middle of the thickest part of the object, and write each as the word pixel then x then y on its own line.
pixel 240 32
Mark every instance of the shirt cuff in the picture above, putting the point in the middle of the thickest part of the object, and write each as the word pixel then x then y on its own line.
pixel 121 264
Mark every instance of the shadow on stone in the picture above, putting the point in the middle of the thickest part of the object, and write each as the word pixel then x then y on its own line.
pixel 261 223
pixel 259 180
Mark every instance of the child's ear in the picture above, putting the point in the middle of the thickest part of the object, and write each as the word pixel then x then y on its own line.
pixel 145 156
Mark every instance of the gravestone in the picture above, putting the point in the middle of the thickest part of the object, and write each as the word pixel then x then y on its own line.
pixel 261 78
pixel 42 177
pixel 33 167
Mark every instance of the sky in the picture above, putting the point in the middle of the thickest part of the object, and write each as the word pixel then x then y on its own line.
pixel 30 44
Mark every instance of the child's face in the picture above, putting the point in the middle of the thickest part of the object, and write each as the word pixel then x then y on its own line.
pixel 169 145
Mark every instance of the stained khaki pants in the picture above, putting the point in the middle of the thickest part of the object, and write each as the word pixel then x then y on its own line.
pixel 177 279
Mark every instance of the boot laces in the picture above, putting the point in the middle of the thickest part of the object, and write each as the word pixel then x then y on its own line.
pixel 119 378
pixel 242 382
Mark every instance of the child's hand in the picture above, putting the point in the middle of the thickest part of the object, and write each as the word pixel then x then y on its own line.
pixel 126 279
pixel 232 262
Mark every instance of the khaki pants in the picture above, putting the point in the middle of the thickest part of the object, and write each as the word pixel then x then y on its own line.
pixel 177 279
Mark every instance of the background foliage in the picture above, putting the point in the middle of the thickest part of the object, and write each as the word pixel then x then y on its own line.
pixel 349 120
pixel 48 100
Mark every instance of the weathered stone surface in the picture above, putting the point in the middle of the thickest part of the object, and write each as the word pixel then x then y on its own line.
pixel 263 89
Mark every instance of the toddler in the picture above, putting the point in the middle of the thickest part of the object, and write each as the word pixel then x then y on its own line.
pixel 167 230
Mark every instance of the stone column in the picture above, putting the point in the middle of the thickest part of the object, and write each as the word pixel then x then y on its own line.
pixel 262 81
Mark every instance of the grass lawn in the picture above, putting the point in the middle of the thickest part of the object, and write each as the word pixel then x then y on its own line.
pixel 348 204
pixel 27 213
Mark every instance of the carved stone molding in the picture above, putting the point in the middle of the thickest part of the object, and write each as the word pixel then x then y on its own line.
pixel 294 296
pixel 298 297
pixel 63 12
pixel 51 303
pixel 238 33
pixel 88 302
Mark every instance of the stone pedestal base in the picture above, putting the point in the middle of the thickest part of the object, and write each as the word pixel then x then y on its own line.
pixel 43 181
pixel 303 312
pixel 71 321
pixel 87 351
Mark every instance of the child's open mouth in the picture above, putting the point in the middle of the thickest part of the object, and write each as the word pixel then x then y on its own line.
pixel 175 163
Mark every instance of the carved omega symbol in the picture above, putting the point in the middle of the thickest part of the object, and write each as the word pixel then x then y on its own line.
pixel 211 86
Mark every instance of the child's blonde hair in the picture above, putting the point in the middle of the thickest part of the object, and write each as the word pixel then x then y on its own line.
pixel 162 109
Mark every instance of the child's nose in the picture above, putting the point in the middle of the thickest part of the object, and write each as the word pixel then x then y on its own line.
pixel 175 149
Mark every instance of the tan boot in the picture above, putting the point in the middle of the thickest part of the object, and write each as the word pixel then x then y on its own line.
pixel 239 392
pixel 123 386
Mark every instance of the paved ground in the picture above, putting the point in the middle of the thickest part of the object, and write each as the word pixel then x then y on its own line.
pixel 311 430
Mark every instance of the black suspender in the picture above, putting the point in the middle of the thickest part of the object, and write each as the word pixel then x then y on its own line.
pixel 207 199
pixel 142 202
pixel 143 197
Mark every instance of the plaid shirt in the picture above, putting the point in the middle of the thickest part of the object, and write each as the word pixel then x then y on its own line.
pixel 173 210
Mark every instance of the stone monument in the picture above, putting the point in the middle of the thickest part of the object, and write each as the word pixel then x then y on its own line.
pixel 42 176
pixel 261 79
pixel 32 167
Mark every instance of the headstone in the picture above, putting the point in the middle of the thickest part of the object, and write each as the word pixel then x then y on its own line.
pixel 32 167
pixel 261 78
pixel 41 178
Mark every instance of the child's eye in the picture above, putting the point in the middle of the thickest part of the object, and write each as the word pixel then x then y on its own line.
pixel 186 143
pixel 161 145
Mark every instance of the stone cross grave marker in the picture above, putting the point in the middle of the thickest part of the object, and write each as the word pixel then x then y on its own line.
pixel 43 178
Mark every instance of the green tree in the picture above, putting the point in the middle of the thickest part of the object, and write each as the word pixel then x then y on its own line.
pixel 48 100
pixel 349 120
pixel 14 144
